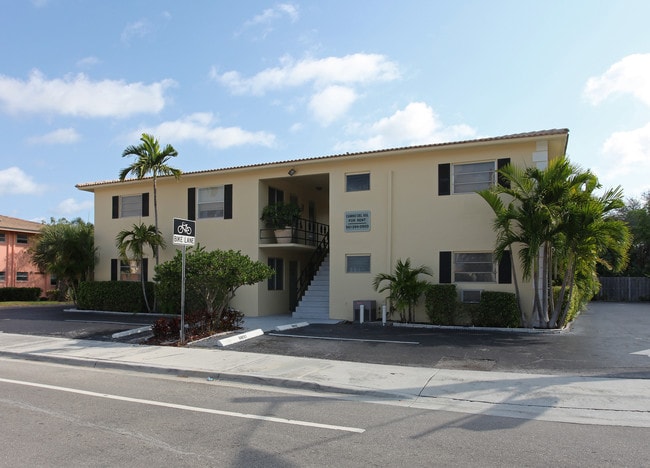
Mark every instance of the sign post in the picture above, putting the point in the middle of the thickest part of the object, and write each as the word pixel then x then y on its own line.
pixel 184 234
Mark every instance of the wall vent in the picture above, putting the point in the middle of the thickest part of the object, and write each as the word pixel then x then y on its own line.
pixel 471 296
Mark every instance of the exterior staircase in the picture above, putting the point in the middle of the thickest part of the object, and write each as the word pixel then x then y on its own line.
pixel 315 303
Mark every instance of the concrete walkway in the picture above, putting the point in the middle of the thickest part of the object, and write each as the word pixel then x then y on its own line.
pixel 562 398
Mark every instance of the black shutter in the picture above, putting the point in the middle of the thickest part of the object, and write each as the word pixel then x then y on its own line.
pixel 145 204
pixel 445 267
pixel 116 207
pixel 113 269
pixel 444 179
pixel 505 268
pixel 145 269
pixel 501 163
pixel 191 203
pixel 227 201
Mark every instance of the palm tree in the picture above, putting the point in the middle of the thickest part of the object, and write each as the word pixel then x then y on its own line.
pixel 151 160
pixel 134 242
pixel 554 210
pixel 404 286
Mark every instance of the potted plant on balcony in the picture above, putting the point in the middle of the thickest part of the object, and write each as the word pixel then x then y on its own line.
pixel 281 217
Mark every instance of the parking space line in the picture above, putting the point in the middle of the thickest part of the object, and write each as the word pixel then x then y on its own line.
pixel 343 339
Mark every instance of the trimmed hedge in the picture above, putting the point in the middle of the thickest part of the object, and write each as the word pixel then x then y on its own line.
pixel 497 309
pixel 115 296
pixel 20 294
pixel 440 303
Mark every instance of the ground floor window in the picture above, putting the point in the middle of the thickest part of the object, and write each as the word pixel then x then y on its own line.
pixel 357 263
pixel 130 270
pixel 474 267
pixel 276 282
pixel 2 276
pixel 22 276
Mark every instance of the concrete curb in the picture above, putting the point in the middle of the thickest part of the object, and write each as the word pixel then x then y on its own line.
pixel 216 376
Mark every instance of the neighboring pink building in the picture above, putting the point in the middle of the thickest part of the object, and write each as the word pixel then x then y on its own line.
pixel 16 267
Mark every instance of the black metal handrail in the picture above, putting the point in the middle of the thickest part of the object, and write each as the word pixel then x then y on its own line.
pixel 312 266
pixel 303 231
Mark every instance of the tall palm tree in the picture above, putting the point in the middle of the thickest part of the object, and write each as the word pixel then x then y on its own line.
pixel 151 161
pixel 132 243
pixel 404 286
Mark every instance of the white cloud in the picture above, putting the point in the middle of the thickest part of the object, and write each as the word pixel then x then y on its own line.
pixel 416 124
pixel 60 136
pixel 350 69
pixel 70 206
pixel 331 103
pixel 79 96
pixel 137 29
pixel 88 62
pixel 13 181
pixel 271 14
pixel 630 75
pixel 199 127
pixel 627 156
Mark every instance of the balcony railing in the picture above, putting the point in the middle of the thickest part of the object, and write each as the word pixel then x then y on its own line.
pixel 303 232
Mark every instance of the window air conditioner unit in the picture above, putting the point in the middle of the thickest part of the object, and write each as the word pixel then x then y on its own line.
pixel 471 296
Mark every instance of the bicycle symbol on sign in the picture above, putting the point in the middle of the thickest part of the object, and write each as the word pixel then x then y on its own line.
pixel 184 228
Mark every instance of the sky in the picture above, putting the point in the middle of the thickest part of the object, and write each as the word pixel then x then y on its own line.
pixel 230 83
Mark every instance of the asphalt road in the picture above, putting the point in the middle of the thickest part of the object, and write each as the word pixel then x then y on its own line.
pixel 55 321
pixel 55 415
pixel 601 342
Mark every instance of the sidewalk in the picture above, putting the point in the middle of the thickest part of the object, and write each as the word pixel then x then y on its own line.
pixel 561 398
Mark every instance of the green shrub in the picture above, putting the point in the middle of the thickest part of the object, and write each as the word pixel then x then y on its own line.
pixel 497 309
pixel 20 294
pixel 440 303
pixel 116 296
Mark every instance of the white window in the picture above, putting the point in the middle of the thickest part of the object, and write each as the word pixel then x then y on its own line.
pixel 22 239
pixel 22 276
pixel 469 178
pixel 474 267
pixel 357 263
pixel 130 205
pixel 2 276
pixel 3 237
pixel 211 202
pixel 357 182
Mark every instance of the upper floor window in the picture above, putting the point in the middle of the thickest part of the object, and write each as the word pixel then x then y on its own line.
pixel 126 206
pixel 22 239
pixel 3 237
pixel 474 267
pixel 130 205
pixel 211 202
pixel 357 182
pixel 469 178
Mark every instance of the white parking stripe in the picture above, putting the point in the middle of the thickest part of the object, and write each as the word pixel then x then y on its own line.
pixel 185 407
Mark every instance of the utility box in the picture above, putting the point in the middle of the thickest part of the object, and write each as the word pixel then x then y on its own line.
pixel 369 310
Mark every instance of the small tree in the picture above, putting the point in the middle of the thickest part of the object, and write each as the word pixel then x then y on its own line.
pixel 212 278
pixel 132 243
pixel 404 287
pixel 66 249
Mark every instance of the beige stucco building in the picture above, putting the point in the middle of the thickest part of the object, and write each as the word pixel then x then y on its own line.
pixel 361 213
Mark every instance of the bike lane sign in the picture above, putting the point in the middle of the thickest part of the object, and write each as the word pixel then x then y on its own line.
pixel 184 232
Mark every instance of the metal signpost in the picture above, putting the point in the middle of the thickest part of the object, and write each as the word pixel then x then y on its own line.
pixel 184 234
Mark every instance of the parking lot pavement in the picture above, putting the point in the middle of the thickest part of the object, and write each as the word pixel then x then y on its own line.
pixel 607 340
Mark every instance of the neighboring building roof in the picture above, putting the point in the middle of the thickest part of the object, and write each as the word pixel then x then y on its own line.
pixel 528 135
pixel 7 223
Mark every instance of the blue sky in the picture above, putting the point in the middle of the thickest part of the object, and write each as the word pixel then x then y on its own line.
pixel 232 83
